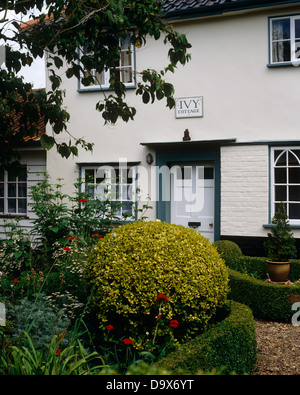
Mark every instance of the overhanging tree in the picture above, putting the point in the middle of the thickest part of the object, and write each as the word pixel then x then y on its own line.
pixel 61 30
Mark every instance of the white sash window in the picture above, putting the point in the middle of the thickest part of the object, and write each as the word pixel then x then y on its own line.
pixel 117 184
pixel 285 40
pixel 126 68
pixel 13 193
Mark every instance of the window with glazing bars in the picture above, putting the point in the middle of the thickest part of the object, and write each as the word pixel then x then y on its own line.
pixel 13 193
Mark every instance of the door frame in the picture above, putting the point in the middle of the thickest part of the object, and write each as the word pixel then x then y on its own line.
pixel 187 153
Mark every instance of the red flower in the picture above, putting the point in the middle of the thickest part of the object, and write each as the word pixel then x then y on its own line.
pixel 162 297
pixel 15 280
pixel 95 235
pixel 173 324
pixel 83 200
pixel 70 238
pixel 57 352
pixel 158 316
pixel 127 341
pixel 109 327
pixel 67 249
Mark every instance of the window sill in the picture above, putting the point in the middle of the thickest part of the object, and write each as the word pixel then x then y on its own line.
pixel 285 64
pixel 85 89
pixel 14 216
pixel 266 226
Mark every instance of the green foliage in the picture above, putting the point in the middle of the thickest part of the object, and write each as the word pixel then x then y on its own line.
pixel 132 266
pixel 16 252
pixel 228 346
pixel 41 321
pixel 100 25
pixel 228 250
pixel 267 300
pixel 52 359
pixel 280 244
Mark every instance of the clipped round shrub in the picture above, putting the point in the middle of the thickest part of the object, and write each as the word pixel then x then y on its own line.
pixel 229 251
pixel 154 281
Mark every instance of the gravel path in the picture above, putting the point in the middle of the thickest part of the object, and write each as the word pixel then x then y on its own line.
pixel 278 348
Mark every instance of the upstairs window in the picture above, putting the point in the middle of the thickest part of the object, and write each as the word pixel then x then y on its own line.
pixel 125 66
pixel 285 40
pixel 13 193
pixel 285 178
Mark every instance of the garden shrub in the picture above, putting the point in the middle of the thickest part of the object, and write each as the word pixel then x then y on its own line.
pixel 228 346
pixel 154 279
pixel 228 250
pixel 40 320
pixel 267 300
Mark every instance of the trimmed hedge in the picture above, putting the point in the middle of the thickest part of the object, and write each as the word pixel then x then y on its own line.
pixel 267 300
pixel 228 346
pixel 259 266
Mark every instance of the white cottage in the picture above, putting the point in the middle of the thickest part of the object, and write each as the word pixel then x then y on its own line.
pixel 229 152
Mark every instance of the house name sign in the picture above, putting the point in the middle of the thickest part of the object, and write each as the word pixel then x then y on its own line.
pixel 189 107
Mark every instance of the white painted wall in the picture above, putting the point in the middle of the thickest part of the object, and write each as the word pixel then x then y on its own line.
pixel 243 98
pixel 244 190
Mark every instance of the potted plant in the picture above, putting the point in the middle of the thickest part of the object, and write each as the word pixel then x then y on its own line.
pixel 280 246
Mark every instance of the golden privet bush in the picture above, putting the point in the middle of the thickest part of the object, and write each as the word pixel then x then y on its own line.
pixel 130 267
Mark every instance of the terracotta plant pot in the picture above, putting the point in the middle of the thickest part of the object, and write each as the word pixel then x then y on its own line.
pixel 279 271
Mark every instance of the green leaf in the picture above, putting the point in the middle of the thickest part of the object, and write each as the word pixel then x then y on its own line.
pixel 54 229
pixel 47 142
pixel 146 97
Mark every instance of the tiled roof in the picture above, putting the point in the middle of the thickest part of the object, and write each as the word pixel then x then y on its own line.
pixel 176 5
pixel 214 6
pixel 40 127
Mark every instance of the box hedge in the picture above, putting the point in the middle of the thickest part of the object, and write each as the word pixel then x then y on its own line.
pixel 267 300
pixel 228 346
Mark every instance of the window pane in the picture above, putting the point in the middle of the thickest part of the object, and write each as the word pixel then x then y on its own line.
pixel 1 175
pixel 11 177
pixel 208 173
pixel 89 175
pixel 126 75
pixel 12 190
pixel 126 58
pixel 281 29
pixel 294 211
pixel 280 158
pixel 1 205
pixel 22 190
pixel 293 158
pixel 297 49
pixel 1 189
pixel 280 193
pixel 294 193
pixel 11 203
pixel 294 175
pixel 22 206
pixel 280 175
pixel 23 175
pixel 297 28
pixel 281 51
pixel 127 207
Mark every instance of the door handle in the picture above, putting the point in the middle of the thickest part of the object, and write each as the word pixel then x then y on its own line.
pixel 211 224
